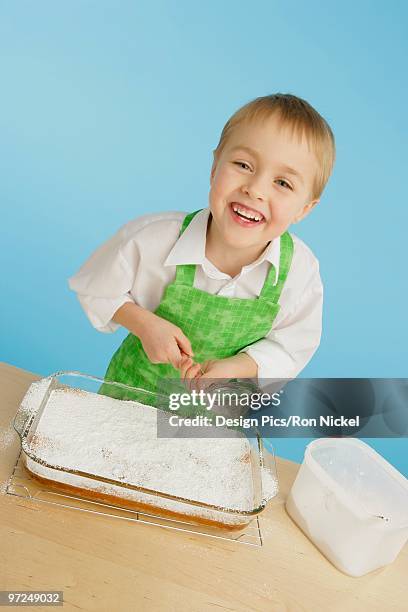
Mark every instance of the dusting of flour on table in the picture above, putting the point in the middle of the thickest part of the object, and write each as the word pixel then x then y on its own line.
pixel 117 439
pixel 7 437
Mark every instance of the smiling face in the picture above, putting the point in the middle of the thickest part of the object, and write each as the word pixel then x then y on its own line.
pixel 261 182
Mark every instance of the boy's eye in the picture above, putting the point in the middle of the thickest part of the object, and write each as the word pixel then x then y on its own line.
pixel 284 183
pixel 243 165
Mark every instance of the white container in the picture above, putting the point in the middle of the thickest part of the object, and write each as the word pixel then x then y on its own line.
pixel 351 503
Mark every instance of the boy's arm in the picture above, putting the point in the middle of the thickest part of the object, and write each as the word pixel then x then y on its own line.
pixel 100 311
pixel 133 317
pixel 163 342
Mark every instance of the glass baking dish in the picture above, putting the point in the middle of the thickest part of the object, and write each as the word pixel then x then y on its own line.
pixel 115 435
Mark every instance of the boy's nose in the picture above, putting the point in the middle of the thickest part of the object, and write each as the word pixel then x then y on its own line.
pixel 256 189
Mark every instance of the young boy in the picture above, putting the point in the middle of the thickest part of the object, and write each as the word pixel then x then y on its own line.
pixel 225 292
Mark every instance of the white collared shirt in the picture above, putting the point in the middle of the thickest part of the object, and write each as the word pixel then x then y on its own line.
pixel 140 260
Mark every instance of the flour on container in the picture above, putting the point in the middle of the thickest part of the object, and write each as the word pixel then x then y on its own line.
pixel 34 396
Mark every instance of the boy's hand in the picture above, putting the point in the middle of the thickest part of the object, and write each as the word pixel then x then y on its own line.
pixel 189 370
pixel 238 366
pixel 163 342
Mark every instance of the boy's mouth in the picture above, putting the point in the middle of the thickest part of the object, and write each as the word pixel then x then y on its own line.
pixel 246 216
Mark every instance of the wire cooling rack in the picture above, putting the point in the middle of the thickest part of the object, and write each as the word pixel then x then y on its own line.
pixel 21 484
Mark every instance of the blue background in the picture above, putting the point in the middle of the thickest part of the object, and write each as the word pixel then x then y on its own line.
pixel 110 110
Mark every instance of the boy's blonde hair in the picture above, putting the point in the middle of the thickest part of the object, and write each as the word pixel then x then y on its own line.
pixel 301 118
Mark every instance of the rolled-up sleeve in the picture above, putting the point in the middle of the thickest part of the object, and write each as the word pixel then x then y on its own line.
pixel 103 283
pixel 290 345
pixel 101 310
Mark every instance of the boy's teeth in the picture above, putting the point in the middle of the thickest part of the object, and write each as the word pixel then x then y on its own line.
pixel 246 214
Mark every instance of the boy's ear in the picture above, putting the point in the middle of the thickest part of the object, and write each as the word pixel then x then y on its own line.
pixel 305 211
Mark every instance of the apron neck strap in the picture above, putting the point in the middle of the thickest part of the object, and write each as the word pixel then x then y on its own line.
pixel 270 290
pixel 187 220
pixel 185 273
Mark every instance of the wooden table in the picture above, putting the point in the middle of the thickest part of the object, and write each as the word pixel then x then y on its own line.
pixel 103 563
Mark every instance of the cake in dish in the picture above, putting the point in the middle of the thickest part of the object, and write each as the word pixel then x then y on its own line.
pixel 107 449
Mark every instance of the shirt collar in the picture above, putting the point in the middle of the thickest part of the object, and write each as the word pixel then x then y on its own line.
pixel 190 247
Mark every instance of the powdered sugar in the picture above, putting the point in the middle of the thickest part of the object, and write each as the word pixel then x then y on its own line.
pixel 7 437
pixel 3 487
pixel 33 398
pixel 117 439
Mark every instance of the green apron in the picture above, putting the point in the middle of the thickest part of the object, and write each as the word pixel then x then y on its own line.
pixel 217 326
